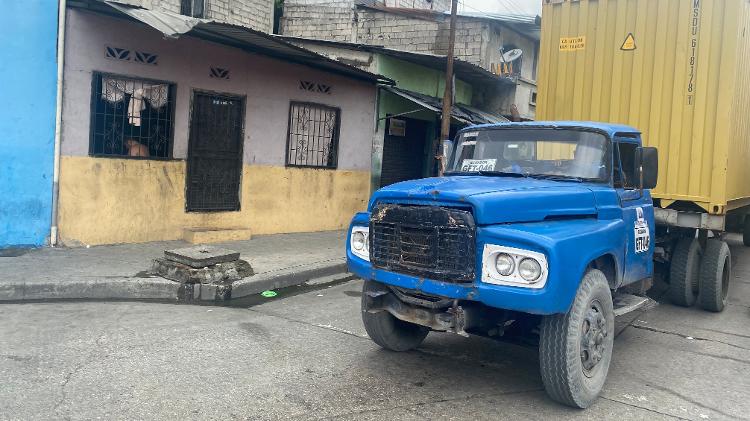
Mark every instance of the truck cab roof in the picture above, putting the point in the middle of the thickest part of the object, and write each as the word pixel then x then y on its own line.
pixel 608 128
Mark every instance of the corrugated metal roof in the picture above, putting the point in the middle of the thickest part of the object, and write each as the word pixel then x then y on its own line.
pixel 529 25
pixel 174 25
pixel 461 112
pixel 464 70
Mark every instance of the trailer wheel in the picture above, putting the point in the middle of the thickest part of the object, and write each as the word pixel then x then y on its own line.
pixel 746 231
pixel 683 272
pixel 716 271
pixel 575 348
pixel 389 332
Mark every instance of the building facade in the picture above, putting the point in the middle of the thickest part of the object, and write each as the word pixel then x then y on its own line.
pixel 164 138
pixel 28 66
pixel 255 14
pixel 409 113
pixel 481 39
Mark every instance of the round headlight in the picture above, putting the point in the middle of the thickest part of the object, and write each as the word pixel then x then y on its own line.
pixel 530 270
pixel 359 241
pixel 504 264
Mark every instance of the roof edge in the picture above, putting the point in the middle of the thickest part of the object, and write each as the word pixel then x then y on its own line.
pixel 201 29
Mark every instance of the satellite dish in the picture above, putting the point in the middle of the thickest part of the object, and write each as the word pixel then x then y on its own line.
pixel 513 54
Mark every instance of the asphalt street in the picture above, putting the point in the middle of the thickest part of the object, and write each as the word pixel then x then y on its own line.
pixel 306 356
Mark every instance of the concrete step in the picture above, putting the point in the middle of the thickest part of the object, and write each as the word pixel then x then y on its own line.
pixel 215 235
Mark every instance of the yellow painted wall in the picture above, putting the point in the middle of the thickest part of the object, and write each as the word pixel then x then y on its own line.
pixel 108 201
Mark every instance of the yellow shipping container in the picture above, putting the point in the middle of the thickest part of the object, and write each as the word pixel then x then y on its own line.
pixel 678 70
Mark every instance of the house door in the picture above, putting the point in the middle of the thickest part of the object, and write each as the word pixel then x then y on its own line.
pixel 404 149
pixel 214 153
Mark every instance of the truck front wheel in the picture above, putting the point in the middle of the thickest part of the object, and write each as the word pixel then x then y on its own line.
pixel 575 348
pixel 716 271
pixel 386 330
pixel 746 231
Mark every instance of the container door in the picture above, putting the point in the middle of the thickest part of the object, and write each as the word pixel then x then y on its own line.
pixel 637 212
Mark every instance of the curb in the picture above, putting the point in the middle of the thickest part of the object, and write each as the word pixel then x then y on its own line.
pixel 157 288
pixel 286 277
pixel 98 289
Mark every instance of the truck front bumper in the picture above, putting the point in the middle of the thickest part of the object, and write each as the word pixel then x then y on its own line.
pixel 533 301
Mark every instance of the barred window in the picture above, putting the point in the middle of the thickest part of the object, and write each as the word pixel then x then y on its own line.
pixel 131 117
pixel 313 138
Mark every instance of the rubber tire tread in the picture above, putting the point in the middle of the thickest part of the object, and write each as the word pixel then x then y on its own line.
pixel 711 287
pixel 559 361
pixel 746 232
pixel 684 270
pixel 389 332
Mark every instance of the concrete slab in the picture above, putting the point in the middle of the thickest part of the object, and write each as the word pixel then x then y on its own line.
pixel 201 255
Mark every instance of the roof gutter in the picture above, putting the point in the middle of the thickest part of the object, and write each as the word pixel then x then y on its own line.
pixel 61 14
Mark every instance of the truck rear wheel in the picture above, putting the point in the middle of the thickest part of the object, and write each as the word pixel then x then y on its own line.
pixel 575 348
pixel 389 332
pixel 716 271
pixel 746 231
pixel 683 272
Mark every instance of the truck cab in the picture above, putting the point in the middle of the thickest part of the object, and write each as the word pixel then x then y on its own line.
pixel 533 228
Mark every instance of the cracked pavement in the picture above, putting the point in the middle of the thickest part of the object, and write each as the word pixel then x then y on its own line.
pixel 307 357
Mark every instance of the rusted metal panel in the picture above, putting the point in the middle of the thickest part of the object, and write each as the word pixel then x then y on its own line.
pixel 675 69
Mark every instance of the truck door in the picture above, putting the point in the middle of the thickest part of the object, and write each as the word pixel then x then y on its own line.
pixel 637 212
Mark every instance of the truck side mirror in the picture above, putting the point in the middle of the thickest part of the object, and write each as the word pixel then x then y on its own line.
pixel 646 166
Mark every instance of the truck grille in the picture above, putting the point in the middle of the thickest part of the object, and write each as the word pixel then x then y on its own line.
pixel 429 241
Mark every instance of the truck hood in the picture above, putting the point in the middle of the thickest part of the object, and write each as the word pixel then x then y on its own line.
pixel 496 200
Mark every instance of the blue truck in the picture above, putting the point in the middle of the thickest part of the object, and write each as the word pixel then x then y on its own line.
pixel 541 230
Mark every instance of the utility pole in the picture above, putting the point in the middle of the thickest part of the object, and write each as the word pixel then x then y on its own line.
pixel 445 127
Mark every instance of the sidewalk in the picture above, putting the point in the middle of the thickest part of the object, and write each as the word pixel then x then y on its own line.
pixel 121 271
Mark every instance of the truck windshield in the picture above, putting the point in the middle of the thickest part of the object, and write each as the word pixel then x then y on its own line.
pixel 543 153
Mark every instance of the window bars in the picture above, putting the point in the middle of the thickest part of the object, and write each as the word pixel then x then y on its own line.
pixel 313 136
pixel 131 117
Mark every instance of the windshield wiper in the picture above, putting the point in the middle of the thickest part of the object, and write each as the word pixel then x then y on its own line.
pixel 557 177
pixel 488 173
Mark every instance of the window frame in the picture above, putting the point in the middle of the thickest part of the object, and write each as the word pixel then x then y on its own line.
pixel 618 140
pixel 608 147
pixel 336 134
pixel 96 77
pixel 192 13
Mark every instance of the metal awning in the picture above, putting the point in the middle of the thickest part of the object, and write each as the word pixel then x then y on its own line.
pixel 174 25
pixel 460 112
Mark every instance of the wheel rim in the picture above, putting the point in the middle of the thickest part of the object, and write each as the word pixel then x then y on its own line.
pixel 725 275
pixel 594 333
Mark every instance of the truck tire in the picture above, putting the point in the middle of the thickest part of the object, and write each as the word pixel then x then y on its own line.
pixel 575 348
pixel 716 271
pixel 389 332
pixel 683 272
pixel 746 231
